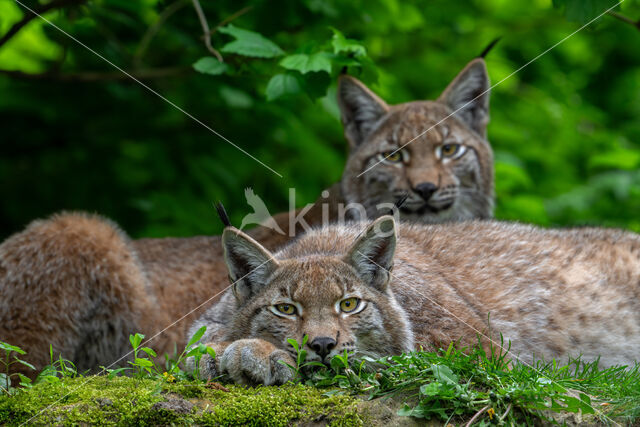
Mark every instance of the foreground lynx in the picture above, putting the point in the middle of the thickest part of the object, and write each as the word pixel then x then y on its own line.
pixel 77 282
pixel 552 293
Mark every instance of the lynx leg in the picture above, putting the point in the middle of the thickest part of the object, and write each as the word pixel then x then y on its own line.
pixel 72 281
pixel 255 361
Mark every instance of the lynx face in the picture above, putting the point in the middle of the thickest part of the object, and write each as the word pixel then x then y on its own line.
pixel 340 302
pixel 433 151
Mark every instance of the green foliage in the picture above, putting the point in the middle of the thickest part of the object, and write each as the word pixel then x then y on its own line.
pixel 307 63
pixel 11 357
pixel 565 129
pixel 144 364
pixel 583 11
pixel 450 385
pixel 57 369
pixel 460 382
pixel 281 85
pixel 210 65
pixel 249 43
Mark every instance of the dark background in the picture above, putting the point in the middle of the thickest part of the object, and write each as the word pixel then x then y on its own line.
pixel 76 135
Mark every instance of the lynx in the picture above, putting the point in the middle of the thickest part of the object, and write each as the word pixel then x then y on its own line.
pixel 551 293
pixel 79 283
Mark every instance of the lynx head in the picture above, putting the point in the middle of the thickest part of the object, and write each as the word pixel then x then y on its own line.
pixel 339 297
pixel 434 151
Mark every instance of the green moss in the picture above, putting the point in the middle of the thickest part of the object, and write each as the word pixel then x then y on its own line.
pixel 98 400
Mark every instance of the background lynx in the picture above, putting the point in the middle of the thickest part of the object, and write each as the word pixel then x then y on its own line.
pixel 446 170
pixel 77 281
pixel 552 293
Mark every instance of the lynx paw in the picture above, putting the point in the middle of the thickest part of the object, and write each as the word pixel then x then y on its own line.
pixel 254 361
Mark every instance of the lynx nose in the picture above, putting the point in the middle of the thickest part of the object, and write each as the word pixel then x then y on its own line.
pixel 426 190
pixel 323 345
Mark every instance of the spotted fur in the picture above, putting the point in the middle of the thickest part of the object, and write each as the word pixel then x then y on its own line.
pixel 550 293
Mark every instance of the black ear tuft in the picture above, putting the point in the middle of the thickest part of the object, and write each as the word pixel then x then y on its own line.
pixel 398 204
pixel 403 199
pixel 222 213
pixel 489 47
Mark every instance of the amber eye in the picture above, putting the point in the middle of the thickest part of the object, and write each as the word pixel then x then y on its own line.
pixel 391 156
pixel 449 150
pixel 348 305
pixel 286 308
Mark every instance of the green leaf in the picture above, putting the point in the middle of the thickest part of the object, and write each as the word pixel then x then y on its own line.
pixel 115 372
pixel 149 351
pixel 343 45
pixel 444 374
pixel 145 363
pixel 583 11
pixel 408 411
pixel 304 63
pixel 9 348
pixel 27 364
pixel 24 381
pixel 282 85
pixel 626 159
pixel 431 389
pixel 51 379
pixel 196 337
pixel 294 344
pixel 135 340
pixel 210 65
pixel 249 43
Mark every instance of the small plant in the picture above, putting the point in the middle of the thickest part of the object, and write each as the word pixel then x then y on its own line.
pixel 56 369
pixel 9 360
pixel 144 365
pixel 197 352
pixel 301 367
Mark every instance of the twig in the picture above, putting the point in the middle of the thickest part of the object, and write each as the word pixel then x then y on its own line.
pixel 155 27
pixel 154 73
pixel 56 4
pixel 626 19
pixel 205 29
pixel 233 17
pixel 476 416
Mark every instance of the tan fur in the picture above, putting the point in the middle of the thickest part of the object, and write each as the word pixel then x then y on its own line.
pixel 551 293
pixel 462 187
pixel 77 282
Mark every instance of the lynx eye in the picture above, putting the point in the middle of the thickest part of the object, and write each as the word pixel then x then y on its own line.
pixel 449 151
pixel 285 308
pixel 349 305
pixel 391 156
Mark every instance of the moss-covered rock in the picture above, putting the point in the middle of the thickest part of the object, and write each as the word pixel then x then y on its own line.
pixel 127 401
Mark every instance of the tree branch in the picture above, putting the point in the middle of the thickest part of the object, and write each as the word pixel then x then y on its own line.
pixel 233 17
pixel 153 73
pixel 153 29
pixel 626 19
pixel 55 4
pixel 205 29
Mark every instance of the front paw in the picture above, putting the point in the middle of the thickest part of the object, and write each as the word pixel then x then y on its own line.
pixel 255 361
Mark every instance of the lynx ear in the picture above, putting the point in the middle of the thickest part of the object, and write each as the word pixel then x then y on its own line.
pixel 249 263
pixel 469 93
pixel 360 109
pixel 372 253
